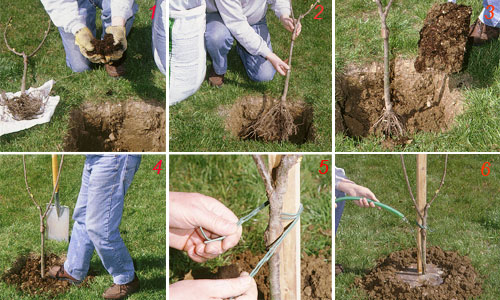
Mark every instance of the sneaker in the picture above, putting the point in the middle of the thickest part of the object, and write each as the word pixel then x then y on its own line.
pixel 120 291
pixel 481 33
pixel 59 273
pixel 215 80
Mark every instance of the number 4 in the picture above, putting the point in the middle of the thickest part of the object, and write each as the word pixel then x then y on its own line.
pixel 323 164
pixel 158 167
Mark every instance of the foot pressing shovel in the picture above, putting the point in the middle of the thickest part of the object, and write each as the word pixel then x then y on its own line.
pixel 57 216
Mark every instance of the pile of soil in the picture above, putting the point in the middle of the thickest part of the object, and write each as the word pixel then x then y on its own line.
pixel 443 39
pixel 25 275
pixel 249 108
pixel 427 101
pixel 316 275
pixel 132 126
pixel 24 107
pixel 460 279
pixel 105 46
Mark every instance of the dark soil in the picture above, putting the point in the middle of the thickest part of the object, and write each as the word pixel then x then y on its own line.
pixel 25 107
pixel 443 39
pixel 316 275
pixel 246 111
pixel 105 46
pixel 460 279
pixel 25 275
pixel 427 101
pixel 132 126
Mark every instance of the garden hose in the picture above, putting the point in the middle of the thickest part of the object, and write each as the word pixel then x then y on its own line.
pixel 382 205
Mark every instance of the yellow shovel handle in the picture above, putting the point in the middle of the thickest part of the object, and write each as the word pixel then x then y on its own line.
pixel 54 171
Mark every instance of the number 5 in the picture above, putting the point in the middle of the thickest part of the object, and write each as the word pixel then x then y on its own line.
pixel 321 165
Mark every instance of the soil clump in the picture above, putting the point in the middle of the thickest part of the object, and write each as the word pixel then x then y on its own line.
pixel 25 275
pixel 246 111
pixel 443 38
pixel 427 101
pixel 460 279
pixel 316 275
pixel 105 46
pixel 24 107
pixel 119 127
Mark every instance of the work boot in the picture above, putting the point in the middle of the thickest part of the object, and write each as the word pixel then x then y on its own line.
pixel 59 273
pixel 215 79
pixel 481 33
pixel 116 68
pixel 120 291
pixel 338 269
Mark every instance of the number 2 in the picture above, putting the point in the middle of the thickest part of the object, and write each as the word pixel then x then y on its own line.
pixel 323 164
pixel 321 11
pixel 490 8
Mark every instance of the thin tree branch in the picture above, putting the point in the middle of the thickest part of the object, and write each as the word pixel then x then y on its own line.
pixel 5 39
pixel 29 189
pixel 409 186
pixel 264 173
pixel 442 181
pixel 41 43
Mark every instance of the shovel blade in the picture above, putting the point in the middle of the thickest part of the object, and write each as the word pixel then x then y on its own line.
pixel 58 226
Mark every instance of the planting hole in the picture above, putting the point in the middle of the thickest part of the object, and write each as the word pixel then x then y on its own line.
pixel 241 115
pixel 131 126
pixel 427 101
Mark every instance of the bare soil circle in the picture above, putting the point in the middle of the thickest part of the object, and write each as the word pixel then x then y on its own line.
pixel 459 278
pixel 131 126
pixel 427 101
pixel 316 282
pixel 443 38
pixel 249 108
pixel 25 275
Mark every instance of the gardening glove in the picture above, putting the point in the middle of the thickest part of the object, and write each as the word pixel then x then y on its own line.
pixel 188 212
pixel 120 37
pixel 241 288
pixel 83 40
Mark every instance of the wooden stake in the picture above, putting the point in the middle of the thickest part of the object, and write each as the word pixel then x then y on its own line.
pixel 289 252
pixel 421 203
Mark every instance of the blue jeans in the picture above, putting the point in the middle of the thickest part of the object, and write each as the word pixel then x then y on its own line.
pixel 159 36
pixel 218 41
pixel 494 20
pixel 98 213
pixel 74 59
pixel 339 210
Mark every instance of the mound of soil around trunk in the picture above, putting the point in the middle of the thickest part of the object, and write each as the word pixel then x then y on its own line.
pixel 427 101
pixel 316 275
pixel 105 46
pixel 25 275
pixel 460 279
pixel 131 126
pixel 443 39
pixel 24 107
pixel 245 111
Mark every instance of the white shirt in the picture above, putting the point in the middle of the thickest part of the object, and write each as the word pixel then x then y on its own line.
pixel 65 14
pixel 238 15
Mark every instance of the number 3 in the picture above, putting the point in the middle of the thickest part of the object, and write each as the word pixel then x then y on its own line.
pixel 490 8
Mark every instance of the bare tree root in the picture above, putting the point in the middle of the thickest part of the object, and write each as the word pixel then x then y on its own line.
pixel 25 107
pixel 390 123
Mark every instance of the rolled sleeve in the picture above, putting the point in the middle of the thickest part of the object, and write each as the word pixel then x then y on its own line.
pixel 339 175
pixel 122 8
pixel 280 7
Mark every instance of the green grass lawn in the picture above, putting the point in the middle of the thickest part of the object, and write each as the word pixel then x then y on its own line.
pixel 196 123
pixel 465 216
pixel 234 181
pixel 357 40
pixel 142 227
pixel 29 20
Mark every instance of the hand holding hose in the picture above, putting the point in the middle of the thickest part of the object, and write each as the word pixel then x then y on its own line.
pixel 189 211
pixel 352 189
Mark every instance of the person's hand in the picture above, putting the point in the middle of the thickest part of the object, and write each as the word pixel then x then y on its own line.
pixel 83 39
pixel 280 66
pixel 353 189
pixel 120 37
pixel 241 288
pixel 188 211
pixel 288 23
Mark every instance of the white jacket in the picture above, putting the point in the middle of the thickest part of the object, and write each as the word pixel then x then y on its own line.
pixel 65 14
pixel 238 15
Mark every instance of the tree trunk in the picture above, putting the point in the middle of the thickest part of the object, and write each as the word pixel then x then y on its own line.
pixel 23 82
pixel 42 250
pixel 387 79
